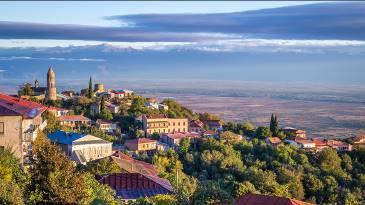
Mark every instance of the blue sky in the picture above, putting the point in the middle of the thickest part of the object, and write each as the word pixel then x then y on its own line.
pixel 250 41
pixel 95 14
pixel 92 13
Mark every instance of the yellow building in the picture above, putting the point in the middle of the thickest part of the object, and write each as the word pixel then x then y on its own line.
pixel 162 124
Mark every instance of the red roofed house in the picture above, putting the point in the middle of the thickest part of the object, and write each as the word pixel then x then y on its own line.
pixel 174 139
pixel 358 141
pixel 294 132
pixel 141 144
pixel 339 145
pixel 196 126
pixel 258 199
pixel 106 125
pixel 118 94
pixel 20 121
pixel 274 141
pixel 213 124
pixel 130 165
pixel 131 186
pixel 74 121
pixel 56 111
pixel 320 144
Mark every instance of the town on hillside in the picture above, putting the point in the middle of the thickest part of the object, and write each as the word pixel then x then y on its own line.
pixel 138 148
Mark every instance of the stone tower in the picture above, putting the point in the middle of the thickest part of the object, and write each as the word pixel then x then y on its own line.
pixel 51 85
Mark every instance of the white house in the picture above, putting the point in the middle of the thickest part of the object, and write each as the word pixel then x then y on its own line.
pixel 81 148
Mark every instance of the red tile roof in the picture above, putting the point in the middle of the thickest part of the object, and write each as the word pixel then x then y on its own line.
pixel 131 165
pixel 102 121
pixel 140 141
pixel 209 132
pixel 136 185
pixel 196 123
pixel 72 118
pixel 258 199
pixel 156 116
pixel 27 109
pixel 274 140
pixel 336 143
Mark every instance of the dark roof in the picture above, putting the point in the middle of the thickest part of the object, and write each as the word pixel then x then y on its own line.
pixel 131 165
pixel 128 194
pixel 136 185
pixel 6 112
pixel 258 199
pixel 156 116
pixel 39 89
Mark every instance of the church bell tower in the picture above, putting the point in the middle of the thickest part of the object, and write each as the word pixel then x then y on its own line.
pixel 51 85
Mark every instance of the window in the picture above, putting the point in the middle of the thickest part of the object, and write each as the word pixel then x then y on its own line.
pixel 2 148
pixel 184 123
pixel 2 128
pixel 178 123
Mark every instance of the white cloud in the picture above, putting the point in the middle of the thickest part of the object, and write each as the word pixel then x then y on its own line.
pixel 10 58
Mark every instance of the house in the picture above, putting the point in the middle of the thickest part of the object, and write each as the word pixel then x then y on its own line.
pixel 174 139
pixel 106 95
pixel 213 124
pixel 196 126
pixel 106 125
pixel 131 186
pixel 301 143
pixel 81 148
pixel 210 134
pixel 320 143
pixel 358 141
pixel 94 108
pixel 118 94
pixel 68 93
pixel 127 93
pixel 20 122
pixel 294 132
pixel 141 145
pixel 74 121
pixel 130 165
pixel 274 141
pixel 112 108
pixel 259 199
pixel 156 106
pixel 160 123
pixel 56 111
pixel 99 87
pixel 339 145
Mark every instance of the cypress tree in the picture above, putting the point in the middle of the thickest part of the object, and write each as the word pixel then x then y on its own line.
pixel 90 90
pixel 272 123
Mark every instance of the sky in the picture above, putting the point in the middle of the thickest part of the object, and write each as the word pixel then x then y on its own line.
pixel 218 40
pixel 95 14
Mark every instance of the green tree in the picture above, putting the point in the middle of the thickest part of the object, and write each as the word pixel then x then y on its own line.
pixel 102 166
pixel 184 145
pixel 100 194
pixel 274 125
pixel 90 91
pixel 12 178
pixel 54 177
pixel 244 188
pixel 26 90
pixel 263 132
pixel 210 192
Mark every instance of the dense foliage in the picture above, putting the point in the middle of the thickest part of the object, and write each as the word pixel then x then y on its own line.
pixel 226 169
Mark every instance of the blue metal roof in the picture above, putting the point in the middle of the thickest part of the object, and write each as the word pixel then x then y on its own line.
pixel 63 137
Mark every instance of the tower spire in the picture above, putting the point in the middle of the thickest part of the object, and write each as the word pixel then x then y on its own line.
pixel 51 84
